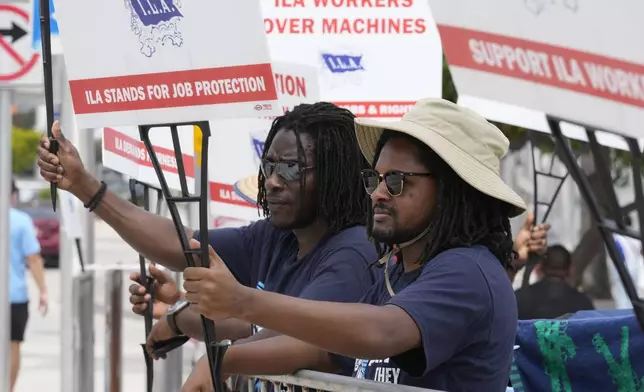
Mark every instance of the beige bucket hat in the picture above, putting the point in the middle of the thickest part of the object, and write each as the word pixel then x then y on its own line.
pixel 246 188
pixel 466 141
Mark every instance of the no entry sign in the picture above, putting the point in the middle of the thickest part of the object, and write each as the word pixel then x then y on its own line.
pixel 19 62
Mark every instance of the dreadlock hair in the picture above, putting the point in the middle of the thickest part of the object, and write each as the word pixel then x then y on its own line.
pixel 338 162
pixel 463 216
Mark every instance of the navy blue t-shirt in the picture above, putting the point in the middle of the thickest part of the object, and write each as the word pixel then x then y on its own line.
pixel 262 256
pixel 465 309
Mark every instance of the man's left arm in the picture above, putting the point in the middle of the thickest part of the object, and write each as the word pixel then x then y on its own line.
pixel 275 355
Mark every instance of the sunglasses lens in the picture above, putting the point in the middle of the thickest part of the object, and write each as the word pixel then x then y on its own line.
pixel 370 180
pixel 289 171
pixel 394 183
pixel 267 168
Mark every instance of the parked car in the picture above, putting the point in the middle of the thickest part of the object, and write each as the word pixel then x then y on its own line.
pixel 47 224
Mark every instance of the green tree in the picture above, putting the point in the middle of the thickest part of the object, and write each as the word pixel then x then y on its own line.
pixel 24 144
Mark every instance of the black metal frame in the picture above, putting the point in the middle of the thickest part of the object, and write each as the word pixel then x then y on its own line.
pixel 533 259
pixel 215 350
pixel 614 225
pixel 45 40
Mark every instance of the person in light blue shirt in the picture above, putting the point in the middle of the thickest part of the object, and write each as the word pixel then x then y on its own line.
pixel 25 249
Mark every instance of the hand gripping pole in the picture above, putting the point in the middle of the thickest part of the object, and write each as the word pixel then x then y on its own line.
pixel 215 350
pixel 533 259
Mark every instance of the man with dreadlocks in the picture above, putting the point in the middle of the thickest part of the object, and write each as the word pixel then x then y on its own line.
pixel 444 315
pixel 313 244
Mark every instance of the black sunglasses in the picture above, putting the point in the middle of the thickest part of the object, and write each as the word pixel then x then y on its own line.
pixel 286 170
pixel 394 180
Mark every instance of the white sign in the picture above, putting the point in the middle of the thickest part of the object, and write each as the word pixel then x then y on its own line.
pixel 124 152
pixel 19 62
pixel 374 57
pixel 165 61
pixel 582 61
pixel 236 145
pixel 537 121
pixel 70 214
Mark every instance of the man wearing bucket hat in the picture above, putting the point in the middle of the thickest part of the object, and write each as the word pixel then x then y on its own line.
pixel 444 316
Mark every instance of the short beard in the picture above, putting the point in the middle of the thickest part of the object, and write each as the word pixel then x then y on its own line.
pixel 395 236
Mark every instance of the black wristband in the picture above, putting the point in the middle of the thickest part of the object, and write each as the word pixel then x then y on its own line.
pixel 172 323
pixel 97 198
pixel 91 200
pixel 172 314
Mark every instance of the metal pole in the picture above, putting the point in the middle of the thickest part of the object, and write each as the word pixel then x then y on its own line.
pixel 6 125
pixel 113 317
pixel 85 372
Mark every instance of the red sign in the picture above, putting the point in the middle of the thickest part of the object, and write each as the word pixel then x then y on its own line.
pixel 6 48
pixel 134 150
pixel 193 87
pixel 225 193
pixel 378 109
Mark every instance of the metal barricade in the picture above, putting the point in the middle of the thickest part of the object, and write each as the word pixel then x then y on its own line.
pixel 83 332
pixel 167 372
pixel 113 328
pixel 311 381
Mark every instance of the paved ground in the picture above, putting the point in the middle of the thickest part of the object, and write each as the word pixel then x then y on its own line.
pixel 41 352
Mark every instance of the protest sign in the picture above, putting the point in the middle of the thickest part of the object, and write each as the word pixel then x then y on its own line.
pixel 374 57
pixel 237 145
pixel 550 56
pixel 137 62
pixel 536 121
pixel 124 152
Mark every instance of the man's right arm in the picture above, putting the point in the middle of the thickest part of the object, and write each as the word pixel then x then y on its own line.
pixel 151 235
pixel 190 324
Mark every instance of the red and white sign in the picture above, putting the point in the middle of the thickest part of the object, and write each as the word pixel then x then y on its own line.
pixel 19 63
pixel 165 61
pixel 124 152
pixel 550 56
pixel 374 57
pixel 235 147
